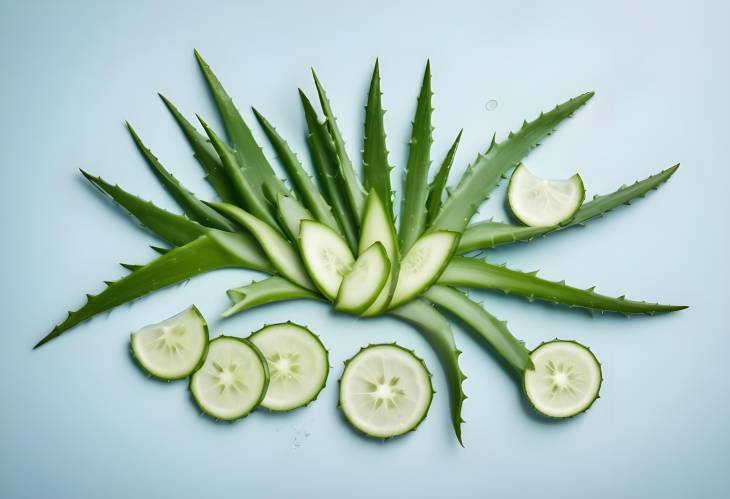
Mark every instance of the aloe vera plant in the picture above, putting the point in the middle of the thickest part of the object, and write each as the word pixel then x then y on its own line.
pixel 258 223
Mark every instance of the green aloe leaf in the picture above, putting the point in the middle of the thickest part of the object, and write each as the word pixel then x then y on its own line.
pixel 415 194
pixel 437 331
pixel 375 167
pixel 204 152
pixel 484 175
pixel 248 196
pixel 488 234
pixel 191 205
pixel 290 214
pixel 438 186
pixel 324 159
pixel 477 273
pixel 488 327
pixel 270 290
pixel 247 152
pixel 305 187
pixel 356 195
pixel 204 254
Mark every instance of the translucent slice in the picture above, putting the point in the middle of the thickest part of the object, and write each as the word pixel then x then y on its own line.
pixel 423 264
pixel 298 365
pixel 385 391
pixel 540 202
pixel 362 285
pixel 326 256
pixel 233 379
pixel 173 348
pixel 566 379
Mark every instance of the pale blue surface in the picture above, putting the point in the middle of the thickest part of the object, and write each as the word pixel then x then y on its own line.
pixel 79 420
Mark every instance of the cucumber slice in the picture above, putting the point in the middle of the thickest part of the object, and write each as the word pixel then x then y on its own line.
pixel 298 365
pixel 173 348
pixel 423 264
pixel 566 379
pixel 540 202
pixel 282 255
pixel 362 285
pixel 326 256
pixel 377 227
pixel 232 381
pixel 385 390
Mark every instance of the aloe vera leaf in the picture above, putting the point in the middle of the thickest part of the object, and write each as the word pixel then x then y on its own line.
pixel 175 229
pixel 204 254
pixel 415 194
pixel 131 266
pixel 204 152
pixel 488 327
pixel 438 185
pixel 483 176
pixel 245 149
pixel 281 253
pixel 291 214
pixel 324 159
pixel 160 250
pixel 437 331
pixel 375 167
pixel 269 290
pixel 249 195
pixel 488 234
pixel 191 205
pixel 477 273
pixel 305 187
pixel 356 195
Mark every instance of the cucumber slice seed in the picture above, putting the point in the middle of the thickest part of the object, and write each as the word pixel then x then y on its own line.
pixel 326 256
pixel 423 264
pixel 566 379
pixel 385 390
pixel 232 381
pixel 173 348
pixel 298 365
pixel 362 285
pixel 540 202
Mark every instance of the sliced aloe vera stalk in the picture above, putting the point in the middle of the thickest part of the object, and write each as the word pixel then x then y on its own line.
pixel 173 348
pixel 540 202
pixel 298 365
pixel 423 265
pixel 233 379
pixel 385 391
pixel 326 256
pixel 364 282
pixel 566 379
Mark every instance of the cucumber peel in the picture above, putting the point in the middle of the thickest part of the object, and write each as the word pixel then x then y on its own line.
pixel 232 381
pixel 540 202
pixel 298 365
pixel 174 348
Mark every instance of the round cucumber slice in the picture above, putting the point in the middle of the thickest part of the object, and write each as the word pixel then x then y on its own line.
pixel 566 379
pixel 298 365
pixel 423 264
pixel 233 379
pixel 540 202
pixel 385 391
pixel 173 348
pixel 362 285
pixel 326 256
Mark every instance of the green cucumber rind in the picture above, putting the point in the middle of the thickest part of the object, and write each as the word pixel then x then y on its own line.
pixel 565 220
pixel 408 298
pixel 197 366
pixel 326 358
pixel 264 364
pixel 590 404
pixel 425 412
pixel 383 279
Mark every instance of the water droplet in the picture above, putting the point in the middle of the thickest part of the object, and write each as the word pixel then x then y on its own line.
pixel 491 105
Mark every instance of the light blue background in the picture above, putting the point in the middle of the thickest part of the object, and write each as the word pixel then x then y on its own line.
pixel 78 419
